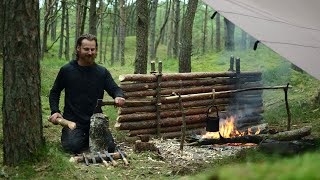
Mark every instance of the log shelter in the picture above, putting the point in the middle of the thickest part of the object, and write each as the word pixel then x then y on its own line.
pixel 173 99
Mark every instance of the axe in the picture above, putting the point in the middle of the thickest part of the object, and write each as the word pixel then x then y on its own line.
pixel 66 123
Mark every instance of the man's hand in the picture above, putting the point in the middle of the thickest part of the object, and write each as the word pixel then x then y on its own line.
pixel 54 118
pixel 119 101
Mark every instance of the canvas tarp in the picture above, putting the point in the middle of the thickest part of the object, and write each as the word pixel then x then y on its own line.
pixel 289 27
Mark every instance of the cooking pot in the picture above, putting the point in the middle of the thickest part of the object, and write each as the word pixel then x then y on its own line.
pixel 212 122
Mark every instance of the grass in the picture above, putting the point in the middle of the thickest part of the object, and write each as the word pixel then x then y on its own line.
pixel 52 162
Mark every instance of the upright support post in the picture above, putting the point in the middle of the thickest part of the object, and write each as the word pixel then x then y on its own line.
pixel 158 104
pixel 231 63
pixel 238 83
pixel 287 106
pixel 183 126
pixel 153 67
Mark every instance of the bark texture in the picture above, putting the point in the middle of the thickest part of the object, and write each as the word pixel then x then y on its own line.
pixel 141 59
pixel 22 120
pixel 186 37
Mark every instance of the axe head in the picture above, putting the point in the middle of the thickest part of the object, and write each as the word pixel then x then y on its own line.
pixel 99 103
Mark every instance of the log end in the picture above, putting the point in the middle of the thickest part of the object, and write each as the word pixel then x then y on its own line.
pixel 117 126
pixel 121 78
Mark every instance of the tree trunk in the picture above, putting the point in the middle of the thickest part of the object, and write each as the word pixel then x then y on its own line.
pixel 21 108
pixel 170 33
pixel 204 37
pixel 53 25
pixel 45 28
pixel 218 35
pixel 163 28
pixel 186 37
pixel 63 6
pixel 122 32
pixel 84 15
pixel 101 7
pixel 114 31
pixel 229 35
pixel 175 46
pixel 78 25
pixel 141 60
pixel 165 31
pixel 67 41
pixel 153 17
pixel 93 18
pixel 1 27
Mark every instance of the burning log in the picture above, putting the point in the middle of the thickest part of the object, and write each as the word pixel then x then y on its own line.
pixel 241 139
pixel 282 136
pixel 152 131
pixel 184 76
pixel 191 90
pixel 260 127
pixel 194 82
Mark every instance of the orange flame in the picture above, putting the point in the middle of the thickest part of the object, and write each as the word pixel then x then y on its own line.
pixel 228 129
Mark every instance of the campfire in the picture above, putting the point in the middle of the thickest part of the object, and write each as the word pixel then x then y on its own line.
pixel 228 129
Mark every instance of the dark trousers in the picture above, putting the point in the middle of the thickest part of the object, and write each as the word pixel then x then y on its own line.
pixel 75 141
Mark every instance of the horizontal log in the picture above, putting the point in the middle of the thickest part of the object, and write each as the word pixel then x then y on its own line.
pixel 209 94
pixel 163 114
pixel 295 134
pixel 184 76
pixel 128 87
pixel 141 102
pixel 130 110
pixel 192 90
pixel 166 122
pixel 178 133
pixel 152 131
pixel 186 104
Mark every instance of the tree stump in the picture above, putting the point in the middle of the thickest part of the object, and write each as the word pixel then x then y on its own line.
pixel 100 137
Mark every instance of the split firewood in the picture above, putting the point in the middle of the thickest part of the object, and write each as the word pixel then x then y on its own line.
pixel 80 158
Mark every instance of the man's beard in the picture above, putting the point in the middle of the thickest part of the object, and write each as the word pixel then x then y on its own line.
pixel 89 59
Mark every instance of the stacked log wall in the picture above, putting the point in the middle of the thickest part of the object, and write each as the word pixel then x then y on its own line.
pixel 142 118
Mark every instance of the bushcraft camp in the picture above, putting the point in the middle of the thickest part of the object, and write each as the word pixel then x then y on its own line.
pixel 160 89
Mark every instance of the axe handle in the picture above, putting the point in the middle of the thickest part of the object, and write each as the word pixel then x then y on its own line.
pixel 66 123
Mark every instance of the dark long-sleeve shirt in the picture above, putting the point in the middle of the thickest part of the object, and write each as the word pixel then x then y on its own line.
pixel 83 85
